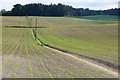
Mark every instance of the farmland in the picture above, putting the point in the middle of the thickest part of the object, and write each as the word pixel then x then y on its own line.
pixel 0 48
pixel 23 56
pixel 97 39
pixel 100 17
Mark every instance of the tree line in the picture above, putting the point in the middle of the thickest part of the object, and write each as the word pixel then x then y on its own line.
pixel 38 9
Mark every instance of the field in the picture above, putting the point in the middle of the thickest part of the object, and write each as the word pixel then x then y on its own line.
pixel 23 56
pixel 100 17
pixel 97 39
pixel 0 48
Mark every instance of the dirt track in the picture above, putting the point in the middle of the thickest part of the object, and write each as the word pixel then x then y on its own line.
pixel 24 58
pixel 88 62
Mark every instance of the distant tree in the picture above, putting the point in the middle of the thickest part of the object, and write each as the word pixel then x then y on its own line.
pixel 3 11
pixel 38 9
pixel 18 10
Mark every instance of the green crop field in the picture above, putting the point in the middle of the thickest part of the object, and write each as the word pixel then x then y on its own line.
pixel 97 39
pixel 24 57
pixel 100 17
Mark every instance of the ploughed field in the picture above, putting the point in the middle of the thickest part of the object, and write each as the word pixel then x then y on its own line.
pixel 24 57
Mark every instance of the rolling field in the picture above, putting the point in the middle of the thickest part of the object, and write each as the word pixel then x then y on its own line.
pixel 100 17
pixel 98 39
pixel 24 57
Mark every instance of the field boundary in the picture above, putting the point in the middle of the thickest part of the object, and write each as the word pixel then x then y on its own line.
pixel 69 53
pixel 94 59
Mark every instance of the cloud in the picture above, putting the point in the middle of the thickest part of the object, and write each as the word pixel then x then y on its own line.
pixel 95 5
pixel 8 4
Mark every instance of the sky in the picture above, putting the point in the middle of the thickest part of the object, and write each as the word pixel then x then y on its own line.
pixel 91 4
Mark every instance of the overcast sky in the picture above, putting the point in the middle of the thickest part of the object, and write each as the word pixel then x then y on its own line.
pixel 92 4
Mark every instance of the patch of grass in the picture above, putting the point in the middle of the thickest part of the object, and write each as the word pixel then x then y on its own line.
pixel 97 39
pixel 99 17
